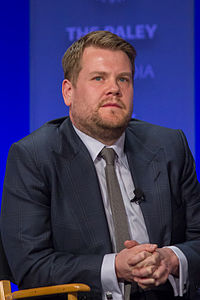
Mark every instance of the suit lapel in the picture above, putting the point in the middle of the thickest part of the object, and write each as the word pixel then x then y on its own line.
pixel 149 173
pixel 86 194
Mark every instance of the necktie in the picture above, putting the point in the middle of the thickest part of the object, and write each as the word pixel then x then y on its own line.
pixel 116 200
pixel 117 205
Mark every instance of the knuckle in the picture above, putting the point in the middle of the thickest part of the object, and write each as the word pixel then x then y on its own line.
pixel 155 258
pixel 145 254
pixel 129 260
pixel 148 272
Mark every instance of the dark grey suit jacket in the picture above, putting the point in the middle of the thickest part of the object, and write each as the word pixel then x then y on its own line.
pixel 53 222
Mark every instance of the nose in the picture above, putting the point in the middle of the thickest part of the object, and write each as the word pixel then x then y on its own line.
pixel 113 88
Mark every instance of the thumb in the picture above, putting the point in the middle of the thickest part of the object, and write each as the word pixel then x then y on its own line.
pixel 130 243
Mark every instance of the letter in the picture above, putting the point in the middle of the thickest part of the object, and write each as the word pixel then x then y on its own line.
pixel 148 71
pixel 139 31
pixel 151 30
pixel 94 28
pixel 129 35
pixel 120 31
pixel 138 71
pixel 80 32
pixel 142 72
pixel 109 28
pixel 71 31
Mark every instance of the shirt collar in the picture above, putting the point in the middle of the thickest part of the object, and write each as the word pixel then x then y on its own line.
pixel 94 146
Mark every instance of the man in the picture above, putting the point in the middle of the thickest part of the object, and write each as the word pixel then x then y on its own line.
pixel 57 220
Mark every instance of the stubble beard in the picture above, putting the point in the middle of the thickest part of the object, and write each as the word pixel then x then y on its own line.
pixel 104 130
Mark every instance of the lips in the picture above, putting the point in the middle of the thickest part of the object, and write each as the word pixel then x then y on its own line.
pixel 111 105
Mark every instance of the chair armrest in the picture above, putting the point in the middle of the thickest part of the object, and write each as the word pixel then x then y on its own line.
pixel 71 289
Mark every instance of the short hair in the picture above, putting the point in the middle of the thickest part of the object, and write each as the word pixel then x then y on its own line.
pixel 71 61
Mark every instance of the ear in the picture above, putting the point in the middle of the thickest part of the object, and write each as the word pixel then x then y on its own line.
pixel 67 91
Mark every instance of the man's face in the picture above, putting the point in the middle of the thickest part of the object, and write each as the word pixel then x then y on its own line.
pixel 101 103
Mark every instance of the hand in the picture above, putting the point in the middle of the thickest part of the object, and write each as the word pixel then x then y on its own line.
pixel 131 256
pixel 166 263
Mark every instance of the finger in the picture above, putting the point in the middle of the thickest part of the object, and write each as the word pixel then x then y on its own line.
pixel 130 243
pixel 146 247
pixel 147 282
pixel 161 275
pixel 162 279
pixel 145 287
pixel 136 258
pixel 153 259
pixel 146 272
pixel 160 271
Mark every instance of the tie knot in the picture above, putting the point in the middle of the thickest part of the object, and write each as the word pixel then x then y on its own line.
pixel 109 155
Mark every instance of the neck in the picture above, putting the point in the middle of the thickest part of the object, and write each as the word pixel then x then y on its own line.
pixel 107 137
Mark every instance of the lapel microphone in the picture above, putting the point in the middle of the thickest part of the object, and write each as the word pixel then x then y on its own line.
pixel 139 196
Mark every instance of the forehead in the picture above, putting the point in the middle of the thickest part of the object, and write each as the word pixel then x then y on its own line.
pixel 94 57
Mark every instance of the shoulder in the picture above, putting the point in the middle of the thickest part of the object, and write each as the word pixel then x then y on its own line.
pixel 146 128
pixel 170 144
pixel 44 137
pixel 155 135
pixel 41 143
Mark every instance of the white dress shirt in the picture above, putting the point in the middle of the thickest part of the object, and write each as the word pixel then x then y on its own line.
pixel 137 227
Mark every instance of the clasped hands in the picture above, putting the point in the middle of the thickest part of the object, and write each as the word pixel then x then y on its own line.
pixel 145 264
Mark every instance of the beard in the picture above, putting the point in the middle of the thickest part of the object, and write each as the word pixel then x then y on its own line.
pixel 104 129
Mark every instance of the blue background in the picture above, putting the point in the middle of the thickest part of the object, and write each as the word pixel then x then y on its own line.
pixel 24 108
pixel 15 115
pixel 177 70
pixel 164 84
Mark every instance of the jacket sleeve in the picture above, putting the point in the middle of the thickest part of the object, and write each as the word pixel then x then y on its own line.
pixel 190 195
pixel 27 233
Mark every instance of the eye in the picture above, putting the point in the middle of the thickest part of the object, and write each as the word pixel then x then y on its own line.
pixel 98 78
pixel 123 79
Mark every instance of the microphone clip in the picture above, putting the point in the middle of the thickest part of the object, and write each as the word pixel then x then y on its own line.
pixel 139 196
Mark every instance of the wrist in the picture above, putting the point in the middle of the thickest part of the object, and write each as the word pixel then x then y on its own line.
pixel 174 264
pixel 117 268
pixel 171 260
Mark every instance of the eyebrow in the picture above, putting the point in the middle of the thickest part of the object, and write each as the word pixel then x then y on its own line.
pixel 97 73
pixel 128 74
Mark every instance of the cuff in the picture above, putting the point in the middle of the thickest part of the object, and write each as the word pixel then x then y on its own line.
pixel 180 284
pixel 111 288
